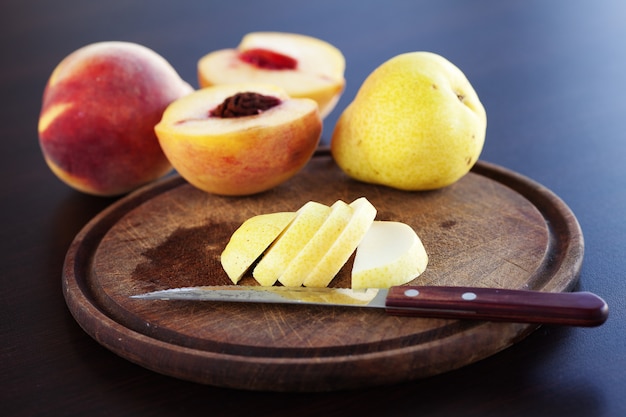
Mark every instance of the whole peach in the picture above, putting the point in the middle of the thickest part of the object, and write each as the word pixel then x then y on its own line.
pixel 100 106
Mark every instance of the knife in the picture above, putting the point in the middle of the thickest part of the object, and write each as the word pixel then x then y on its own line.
pixel 475 303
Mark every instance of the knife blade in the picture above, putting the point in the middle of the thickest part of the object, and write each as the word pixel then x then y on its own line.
pixel 454 302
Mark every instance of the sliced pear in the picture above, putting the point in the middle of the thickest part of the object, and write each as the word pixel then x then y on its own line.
pixel 390 254
pixel 308 220
pixel 250 240
pixel 342 248
pixel 317 247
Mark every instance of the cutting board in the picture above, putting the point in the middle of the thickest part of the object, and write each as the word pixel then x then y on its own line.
pixel 493 228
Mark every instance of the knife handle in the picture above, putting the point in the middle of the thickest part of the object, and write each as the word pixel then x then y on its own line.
pixel 492 304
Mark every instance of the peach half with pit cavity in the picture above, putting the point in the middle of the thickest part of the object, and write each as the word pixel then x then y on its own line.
pixel 239 139
pixel 302 65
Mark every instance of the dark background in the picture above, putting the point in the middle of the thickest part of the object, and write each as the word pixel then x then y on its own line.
pixel 552 77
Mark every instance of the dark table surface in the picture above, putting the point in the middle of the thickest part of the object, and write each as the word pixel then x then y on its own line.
pixel 552 76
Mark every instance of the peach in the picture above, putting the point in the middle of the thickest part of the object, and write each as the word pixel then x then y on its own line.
pixel 100 105
pixel 239 139
pixel 304 66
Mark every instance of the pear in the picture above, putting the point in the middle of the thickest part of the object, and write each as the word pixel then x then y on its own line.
pixel 343 246
pixel 250 240
pixel 318 245
pixel 310 246
pixel 390 254
pixel 309 218
pixel 416 123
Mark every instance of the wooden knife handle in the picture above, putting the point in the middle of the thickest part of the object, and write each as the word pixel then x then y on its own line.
pixel 568 308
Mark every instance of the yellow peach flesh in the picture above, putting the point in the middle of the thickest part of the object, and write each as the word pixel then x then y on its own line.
pixel 243 155
pixel 319 74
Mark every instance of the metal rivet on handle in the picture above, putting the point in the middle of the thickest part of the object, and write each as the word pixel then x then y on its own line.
pixel 412 293
pixel 469 296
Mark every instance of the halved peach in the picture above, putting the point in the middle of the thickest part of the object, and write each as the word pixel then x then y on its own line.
pixel 302 65
pixel 239 139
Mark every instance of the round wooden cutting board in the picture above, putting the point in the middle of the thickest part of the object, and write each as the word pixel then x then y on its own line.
pixel 494 228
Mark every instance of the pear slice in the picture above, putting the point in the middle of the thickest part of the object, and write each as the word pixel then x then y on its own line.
pixel 250 240
pixel 342 248
pixel 390 254
pixel 317 247
pixel 308 220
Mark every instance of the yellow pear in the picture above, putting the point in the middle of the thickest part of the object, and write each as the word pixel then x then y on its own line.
pixel 390 254
pixel 307 222
pixel 317 246
pixel 363 214
pixel 416 123
pixel 250 240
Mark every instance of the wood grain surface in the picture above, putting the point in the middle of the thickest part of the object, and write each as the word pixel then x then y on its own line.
pixel 494 228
